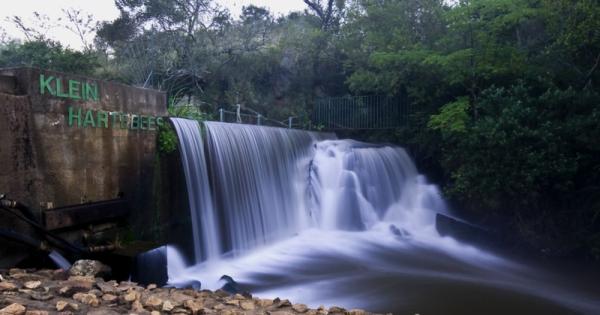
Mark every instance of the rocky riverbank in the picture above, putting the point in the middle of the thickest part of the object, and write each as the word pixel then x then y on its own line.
pixel 81 291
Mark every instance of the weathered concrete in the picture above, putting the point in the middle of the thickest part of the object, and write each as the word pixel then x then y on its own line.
pixel 45 163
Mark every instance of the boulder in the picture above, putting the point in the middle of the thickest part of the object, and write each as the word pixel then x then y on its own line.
pixel 89 268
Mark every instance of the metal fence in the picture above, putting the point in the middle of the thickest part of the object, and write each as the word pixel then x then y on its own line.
pixel 254 119
pixel 361 112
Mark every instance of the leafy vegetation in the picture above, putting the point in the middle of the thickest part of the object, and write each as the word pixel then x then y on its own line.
pixel 504 93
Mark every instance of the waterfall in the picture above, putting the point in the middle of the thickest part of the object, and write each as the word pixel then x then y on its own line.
pixel 260 176
pixel 202 213
pixel 338 222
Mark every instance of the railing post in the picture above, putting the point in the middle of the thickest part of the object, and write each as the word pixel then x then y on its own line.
pixel 258 116
pixel 290 122
pixel 221 115
pixel 238 113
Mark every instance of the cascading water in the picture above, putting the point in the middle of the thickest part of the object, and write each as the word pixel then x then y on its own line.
pixel 339 222
pixel 259 176
pixel 204 220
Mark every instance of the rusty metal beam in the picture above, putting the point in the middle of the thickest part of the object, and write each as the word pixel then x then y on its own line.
pixel 77 215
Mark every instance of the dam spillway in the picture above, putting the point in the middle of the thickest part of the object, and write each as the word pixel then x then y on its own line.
pixel 320 220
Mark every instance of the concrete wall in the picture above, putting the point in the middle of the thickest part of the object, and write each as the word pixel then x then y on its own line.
pixel 46 163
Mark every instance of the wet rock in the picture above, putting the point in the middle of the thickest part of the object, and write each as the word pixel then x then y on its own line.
pixel 89 268
pixel 86 298
pixel 32 285
pixel 300 308
pixel 13 309
pixel 230 285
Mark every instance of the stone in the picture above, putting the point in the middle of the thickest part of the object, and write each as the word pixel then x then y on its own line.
pixel 131 296
pixel 300 308
pixel 107 287
pixel 7 286
pixel 86 298
pixel 357 312
pixel 265 303
pixel 37 312
pixel 136 306
pixel 168 306
pixel 284 303
pixel 103 311
pixel 41 296
pixel 336 309
pixel 151 286
pixel 280 313
pixel 63 306
pixel 247 305
pixel 109 298
pixel 16 271
pixel 89 268
pixel 13 309
pixel 194 306
pixel 153 302
pixel 233 302
pixel 32 285
pixel 154 313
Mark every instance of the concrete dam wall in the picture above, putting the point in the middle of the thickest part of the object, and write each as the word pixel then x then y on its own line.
pixel 70 140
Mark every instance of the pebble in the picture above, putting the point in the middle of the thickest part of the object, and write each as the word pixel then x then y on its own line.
pixel 13 309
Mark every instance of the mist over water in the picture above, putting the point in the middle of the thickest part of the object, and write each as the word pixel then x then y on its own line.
pixel 321 221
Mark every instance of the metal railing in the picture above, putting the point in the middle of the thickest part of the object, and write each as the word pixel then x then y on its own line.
pixel 361 112
pixel 255 118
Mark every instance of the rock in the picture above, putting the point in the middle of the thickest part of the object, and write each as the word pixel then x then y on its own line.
pixel 265 303
pixel 131 296
pixel 233 302
pixel 168 306
pixel 335 309
pixel 107 287
pixel 40 296
pixel 13 309
pixel 137 306
pixel 284 303
pixel 32 285
pixel 194 306
pixel 247 305
pixel 153 302
pixel 103 311
pixel 281 313
pixel 36 312
pixel 356 312
pixel 89 268
pixel 109 298
pixel 151 286
pixel 16 271
pixel 86 298
pixel 154 313
pixel 300 308
pixel 63 306
pixel 7 286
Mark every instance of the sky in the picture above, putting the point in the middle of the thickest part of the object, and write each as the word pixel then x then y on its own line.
pixel 105 10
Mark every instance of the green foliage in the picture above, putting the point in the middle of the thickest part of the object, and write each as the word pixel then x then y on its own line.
pixel 48 55
pixel 167 139
pixel 453 117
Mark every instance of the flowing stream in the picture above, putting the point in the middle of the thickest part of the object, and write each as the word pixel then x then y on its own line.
pixel 321 221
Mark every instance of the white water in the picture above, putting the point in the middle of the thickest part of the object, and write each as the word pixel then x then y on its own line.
pixel 207 243
pixel 339 222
